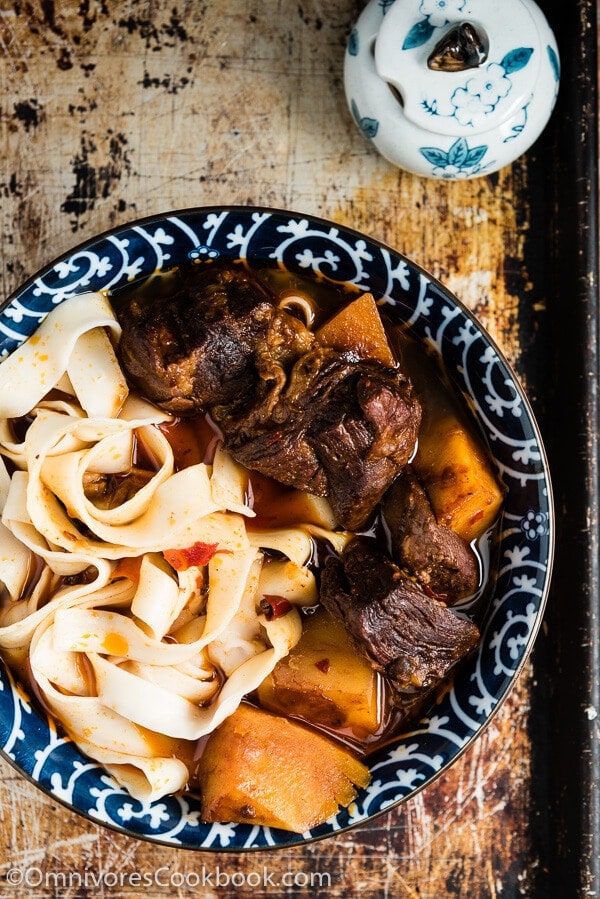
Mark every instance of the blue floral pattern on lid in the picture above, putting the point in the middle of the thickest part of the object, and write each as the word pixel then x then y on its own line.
pixel 436 13
pixel 414 299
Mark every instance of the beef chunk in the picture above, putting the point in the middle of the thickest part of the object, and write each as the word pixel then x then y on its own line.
pixel 304 414
pixel 437 557
pixel 335 428
pixel 409 636
pixel 195 349
pixel 368 437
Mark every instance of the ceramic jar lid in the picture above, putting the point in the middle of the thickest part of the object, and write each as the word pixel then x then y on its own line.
pixel 473 81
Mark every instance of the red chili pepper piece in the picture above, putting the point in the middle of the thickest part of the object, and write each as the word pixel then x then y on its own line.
pixel 323 665
pixel 198 554
pixel 274 606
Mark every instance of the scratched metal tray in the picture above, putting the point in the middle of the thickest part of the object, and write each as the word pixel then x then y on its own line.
pixel 561 366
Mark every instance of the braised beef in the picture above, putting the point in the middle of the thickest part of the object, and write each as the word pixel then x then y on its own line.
pixel 304 414
pixel 195 349
pixel 413 638
pixel 435 555
pixel 334 427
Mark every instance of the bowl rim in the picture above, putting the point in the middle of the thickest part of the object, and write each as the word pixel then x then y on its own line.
pixel 454 300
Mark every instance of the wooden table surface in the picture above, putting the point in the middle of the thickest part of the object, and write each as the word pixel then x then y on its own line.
pixel 112 111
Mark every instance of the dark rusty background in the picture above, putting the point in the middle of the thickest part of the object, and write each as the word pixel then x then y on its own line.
pixel 114 110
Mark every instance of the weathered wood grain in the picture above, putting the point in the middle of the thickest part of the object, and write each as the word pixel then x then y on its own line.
pixel 111 111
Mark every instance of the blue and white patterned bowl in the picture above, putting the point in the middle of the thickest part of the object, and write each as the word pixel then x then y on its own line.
pixel 328 251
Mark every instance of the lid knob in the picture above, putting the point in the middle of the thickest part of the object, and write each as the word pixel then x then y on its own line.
pixel 464 46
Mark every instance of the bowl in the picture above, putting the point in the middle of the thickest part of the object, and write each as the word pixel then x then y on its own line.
pixel 330 252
